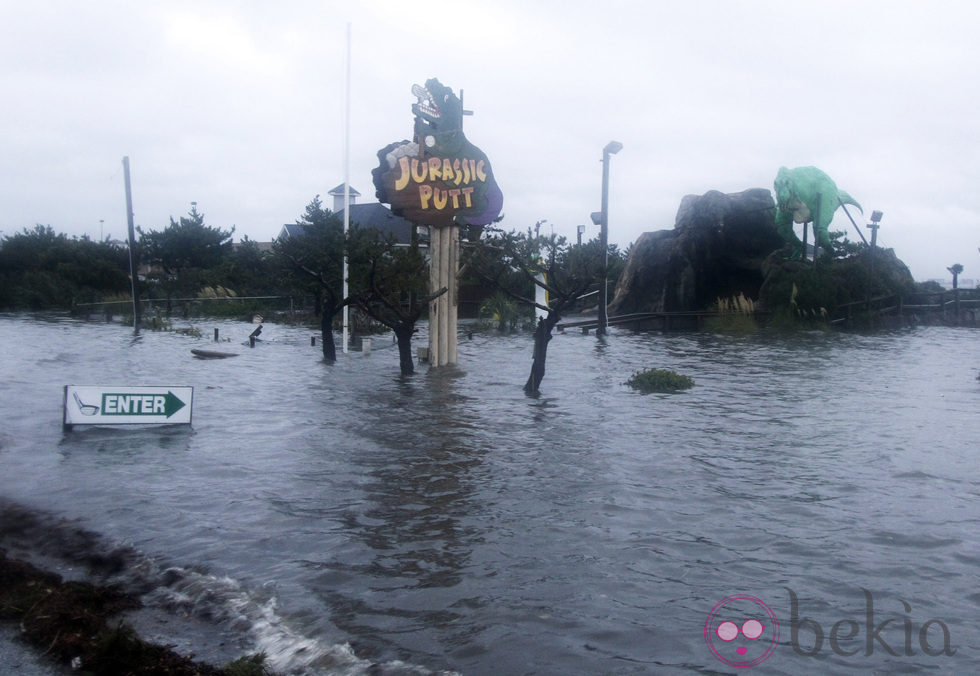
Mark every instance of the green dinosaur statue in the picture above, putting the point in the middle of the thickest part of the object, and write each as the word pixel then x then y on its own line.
pixel 796 201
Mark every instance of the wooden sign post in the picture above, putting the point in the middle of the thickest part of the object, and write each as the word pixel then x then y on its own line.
pixel 443 269
pixel 439 180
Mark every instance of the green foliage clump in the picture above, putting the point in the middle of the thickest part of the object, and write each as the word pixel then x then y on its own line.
pixel 502 310
pixel 159 323
pixel 659 380
pixel 40 269
pixel 812 295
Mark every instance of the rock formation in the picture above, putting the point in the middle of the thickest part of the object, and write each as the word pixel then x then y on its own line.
pixel 716 249
pixel 726 245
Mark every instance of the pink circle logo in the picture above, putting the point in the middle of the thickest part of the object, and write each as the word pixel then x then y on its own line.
pixel 741 631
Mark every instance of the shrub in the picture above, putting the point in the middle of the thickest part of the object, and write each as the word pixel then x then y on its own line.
pixel 659 380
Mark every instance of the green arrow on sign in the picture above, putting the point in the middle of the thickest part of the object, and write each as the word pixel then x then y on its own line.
pixel 173 404
pixel 141 404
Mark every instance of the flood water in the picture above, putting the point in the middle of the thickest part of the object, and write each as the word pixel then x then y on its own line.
pixel 346 520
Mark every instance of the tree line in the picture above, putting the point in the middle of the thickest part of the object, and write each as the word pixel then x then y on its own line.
pixel 388 280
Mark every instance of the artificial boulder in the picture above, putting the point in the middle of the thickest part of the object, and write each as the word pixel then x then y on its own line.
pixel 715 250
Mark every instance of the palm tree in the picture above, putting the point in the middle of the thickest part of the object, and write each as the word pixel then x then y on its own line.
pixel 955 269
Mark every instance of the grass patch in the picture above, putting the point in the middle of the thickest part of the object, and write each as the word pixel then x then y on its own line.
pixel 659 380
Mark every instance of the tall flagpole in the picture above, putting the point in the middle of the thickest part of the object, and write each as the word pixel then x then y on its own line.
pixel 346 336
pixel 133 266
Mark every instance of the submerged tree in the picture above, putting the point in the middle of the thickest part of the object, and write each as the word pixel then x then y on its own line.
pixel 548 262
pixel 42 269
pixel 183 254
pixel 249 270
pixel 386 280
pixel 313 259
pixel 392 286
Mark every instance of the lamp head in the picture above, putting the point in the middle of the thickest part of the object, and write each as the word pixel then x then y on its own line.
pixel 612 147
pixel 876 216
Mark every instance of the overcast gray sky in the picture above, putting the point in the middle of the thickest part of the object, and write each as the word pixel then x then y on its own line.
pixel 239 106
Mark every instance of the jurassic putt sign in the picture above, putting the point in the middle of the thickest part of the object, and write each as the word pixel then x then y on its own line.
pixel 439 178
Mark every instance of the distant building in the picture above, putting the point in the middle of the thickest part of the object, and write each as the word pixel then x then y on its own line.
pixel 365 216
pixel 263 247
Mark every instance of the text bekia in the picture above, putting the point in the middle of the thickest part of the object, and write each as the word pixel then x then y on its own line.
pixel 849 630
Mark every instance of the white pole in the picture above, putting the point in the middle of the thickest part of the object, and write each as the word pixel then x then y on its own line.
pixel 133 267
pixel 346 190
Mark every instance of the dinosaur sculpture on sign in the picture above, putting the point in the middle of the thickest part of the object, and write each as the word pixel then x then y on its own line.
pixel 439 178
pixel 796 202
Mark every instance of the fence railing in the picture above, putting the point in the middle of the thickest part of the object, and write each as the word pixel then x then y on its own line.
pixel 955 304
pixel 285 303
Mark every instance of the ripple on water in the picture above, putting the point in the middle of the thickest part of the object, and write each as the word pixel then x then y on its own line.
pixel 448 520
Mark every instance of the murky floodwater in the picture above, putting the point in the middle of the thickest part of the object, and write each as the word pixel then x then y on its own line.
pixel 338 516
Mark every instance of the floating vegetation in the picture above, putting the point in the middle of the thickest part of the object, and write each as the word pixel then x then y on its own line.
pixel 659 380
pixel 501 310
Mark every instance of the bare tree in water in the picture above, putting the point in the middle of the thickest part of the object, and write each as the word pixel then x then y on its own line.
pixel 517 263
pixel 392 288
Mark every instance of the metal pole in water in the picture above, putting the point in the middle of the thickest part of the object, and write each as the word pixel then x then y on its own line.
pixel 611 148
pixel 133 266
pixel 346 322
pixel 816 238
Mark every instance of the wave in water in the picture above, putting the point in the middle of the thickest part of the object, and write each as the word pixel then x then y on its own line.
pixel 248 619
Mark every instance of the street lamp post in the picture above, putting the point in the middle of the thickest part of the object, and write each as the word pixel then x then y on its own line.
pixel 611 148
pixel 873 226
